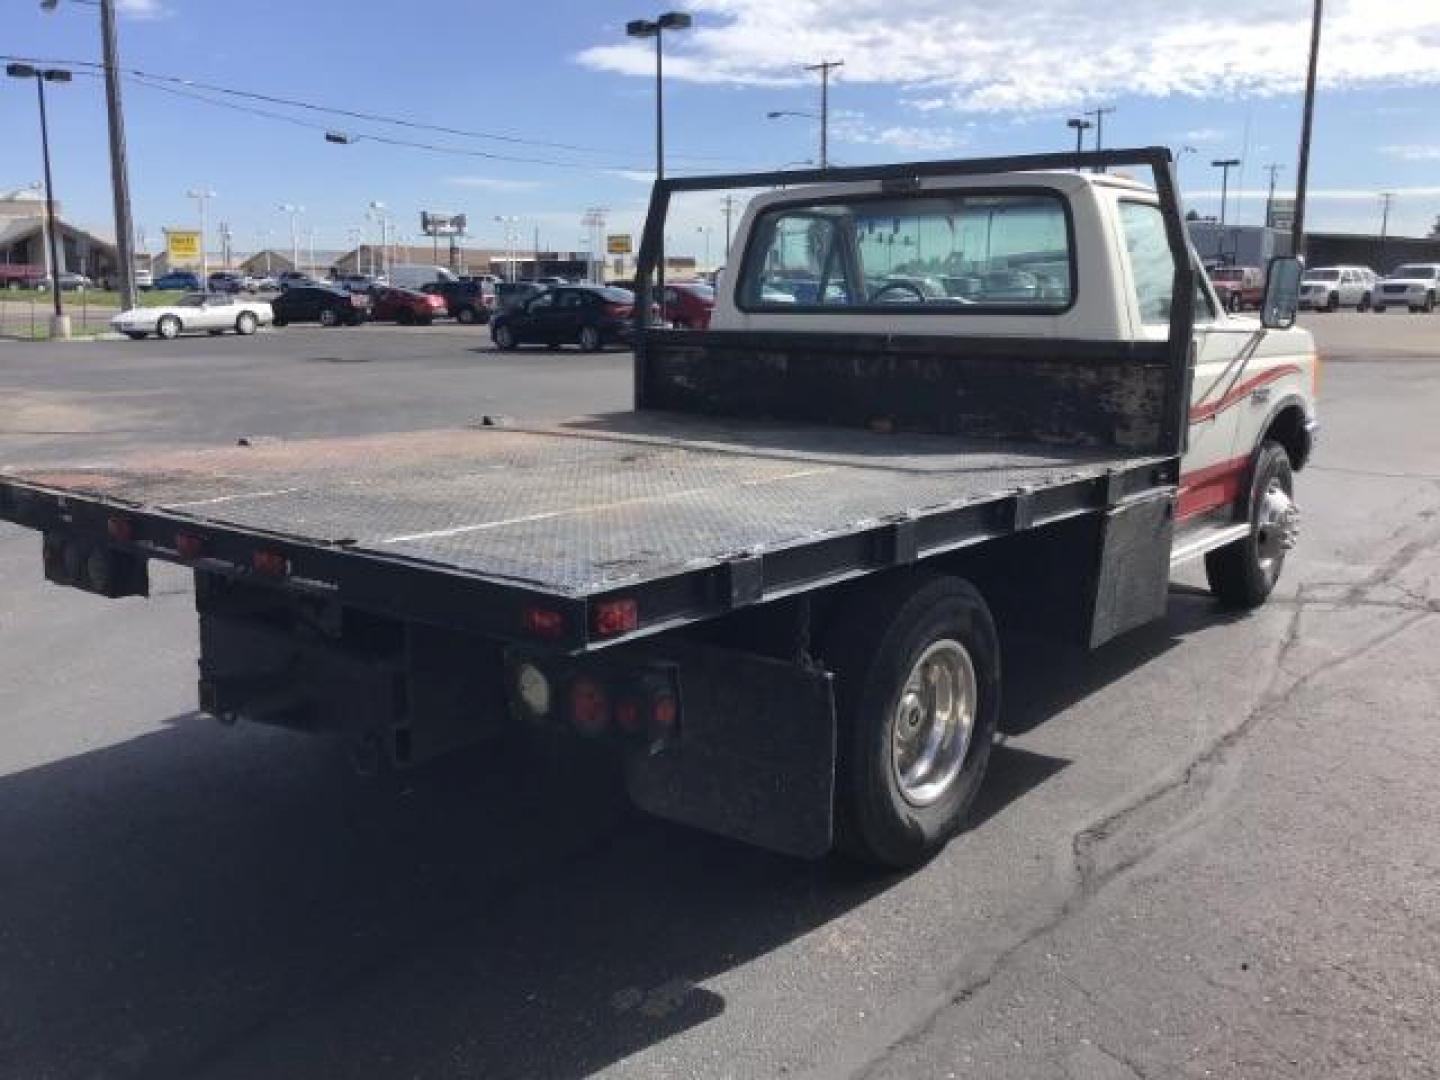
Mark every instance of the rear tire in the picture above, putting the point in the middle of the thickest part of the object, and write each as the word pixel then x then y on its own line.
pixel 328 317
pixel 503 337
pixel 906 654
pixel 1364 303
pixel 1429 305
pixel 1334 304
pixel 245 325
pixel 590 339
pixel 1243 574
pixel 1379 309
pixel 465 315
pixel 168 327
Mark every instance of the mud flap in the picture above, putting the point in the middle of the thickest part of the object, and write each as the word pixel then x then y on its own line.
pixel 1133 577
pixel 755 759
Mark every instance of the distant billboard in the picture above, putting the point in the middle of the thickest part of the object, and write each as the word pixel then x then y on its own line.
pixel 1281 215
pixel 618 244
pixel 182 246
pixel 433 224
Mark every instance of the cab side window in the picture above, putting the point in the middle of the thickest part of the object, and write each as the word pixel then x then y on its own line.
pixel 1153 268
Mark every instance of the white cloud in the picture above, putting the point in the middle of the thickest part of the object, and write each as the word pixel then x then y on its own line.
pixel 1413 152
pixel 1430 191
pixel 140 9
pixel 854 128
pixel 639 176
pixel 1204 136
pixel 1016 55
pixel 492 183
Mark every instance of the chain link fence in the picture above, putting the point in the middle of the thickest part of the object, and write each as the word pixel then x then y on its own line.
pixel 25 313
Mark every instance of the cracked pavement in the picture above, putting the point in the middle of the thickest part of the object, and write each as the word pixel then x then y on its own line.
pixel 1210 849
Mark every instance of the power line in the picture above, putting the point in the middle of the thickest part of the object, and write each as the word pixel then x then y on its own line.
pixel 353 114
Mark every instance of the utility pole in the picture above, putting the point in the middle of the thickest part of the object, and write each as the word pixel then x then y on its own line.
pixel 824 67
pixel 1273 169
pixel 225 237
pixel 1386 198
pixel 203 196
pixel 1302 176
pixel 1099 114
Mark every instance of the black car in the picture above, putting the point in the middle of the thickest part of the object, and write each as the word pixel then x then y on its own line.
pixel 320 303
pixel 588 315
pixel 510 293
pixel 465 301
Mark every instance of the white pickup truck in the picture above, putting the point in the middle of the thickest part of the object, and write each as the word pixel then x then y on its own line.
pixel 935 398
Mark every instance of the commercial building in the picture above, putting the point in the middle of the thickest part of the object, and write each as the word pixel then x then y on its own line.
pixel 23 239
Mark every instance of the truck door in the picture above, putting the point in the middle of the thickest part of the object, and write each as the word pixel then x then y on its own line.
pixel 1207 469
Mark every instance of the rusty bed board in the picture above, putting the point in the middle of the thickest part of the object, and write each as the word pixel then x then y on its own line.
pixel 581 506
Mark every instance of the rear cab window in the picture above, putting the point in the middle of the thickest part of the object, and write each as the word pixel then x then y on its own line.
pixel 1010 251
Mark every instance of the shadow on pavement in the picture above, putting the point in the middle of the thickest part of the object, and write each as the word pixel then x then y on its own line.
pixel 204 901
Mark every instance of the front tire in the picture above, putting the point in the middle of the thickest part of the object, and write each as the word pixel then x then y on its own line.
pixel 329 318
pixel 918 701
pixel 168 327
pixel 465 315
pixel 503 337
pixel 1364 303
pixel 1334 304
pixel 1379 309
pixel 1243 574
pixel 590 340
pixel 1429 304
pixel 245 325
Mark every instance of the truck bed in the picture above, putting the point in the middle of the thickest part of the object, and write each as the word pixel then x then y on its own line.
pixel 597 504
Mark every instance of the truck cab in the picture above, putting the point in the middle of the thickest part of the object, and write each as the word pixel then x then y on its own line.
pixel 1065 256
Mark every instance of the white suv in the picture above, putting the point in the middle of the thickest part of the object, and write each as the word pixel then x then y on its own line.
pixel 1327 288
pixel 1416 285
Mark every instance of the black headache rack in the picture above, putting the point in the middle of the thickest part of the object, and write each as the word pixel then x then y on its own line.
pixel 1160 161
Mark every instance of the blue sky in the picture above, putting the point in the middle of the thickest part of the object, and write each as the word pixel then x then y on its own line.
pixel 924 79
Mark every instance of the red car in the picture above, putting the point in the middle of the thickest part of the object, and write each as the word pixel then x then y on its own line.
pixel 406 306
pixel 688 305
pixel 1239 287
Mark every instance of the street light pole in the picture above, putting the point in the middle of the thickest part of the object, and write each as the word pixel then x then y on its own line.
pixel 59 324
pixel 1224 165
pixel 202 196
pixel 1386 198
pixel 1080 126
pixel 645 28
pixel 1302 173
pixel 294 212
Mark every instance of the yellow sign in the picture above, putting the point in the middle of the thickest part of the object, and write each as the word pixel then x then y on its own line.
pixel 182 245
pixel 617 244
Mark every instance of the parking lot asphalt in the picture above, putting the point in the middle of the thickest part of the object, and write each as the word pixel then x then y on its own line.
pixel 1211 848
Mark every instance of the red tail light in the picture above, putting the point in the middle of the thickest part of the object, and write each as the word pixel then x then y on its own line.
pixel 189 546
pixel 664 712
pixel 270 563
pixel 120 529
pixel 589 706
pixel 435 301
pixel 543 622
pixel 614 617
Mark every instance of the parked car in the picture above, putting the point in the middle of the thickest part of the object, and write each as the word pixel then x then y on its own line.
pixel 266 283
pixel 1239 288
pixel 144 279
pixel 481 279
pixel 465 301
pixel 69 282
pixel 20 275
pixel 212 313
pixel 1329 288
pixel 1416 285
pixel 405 306
pixel 185 280
pixel 416 276
pixel 688 305
pixel 320 303
pixel 289 279
pixel 226 281
pixel 586 315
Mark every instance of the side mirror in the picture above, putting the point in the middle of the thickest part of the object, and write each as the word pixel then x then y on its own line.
pixel 1282 293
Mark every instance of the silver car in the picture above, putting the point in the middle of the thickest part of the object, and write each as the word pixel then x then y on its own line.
pixel 1416 285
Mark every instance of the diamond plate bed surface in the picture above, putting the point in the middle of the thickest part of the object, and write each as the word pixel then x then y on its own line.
pixel 582 506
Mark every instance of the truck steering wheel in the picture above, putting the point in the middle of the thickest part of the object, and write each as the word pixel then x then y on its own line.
pixel 898 286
